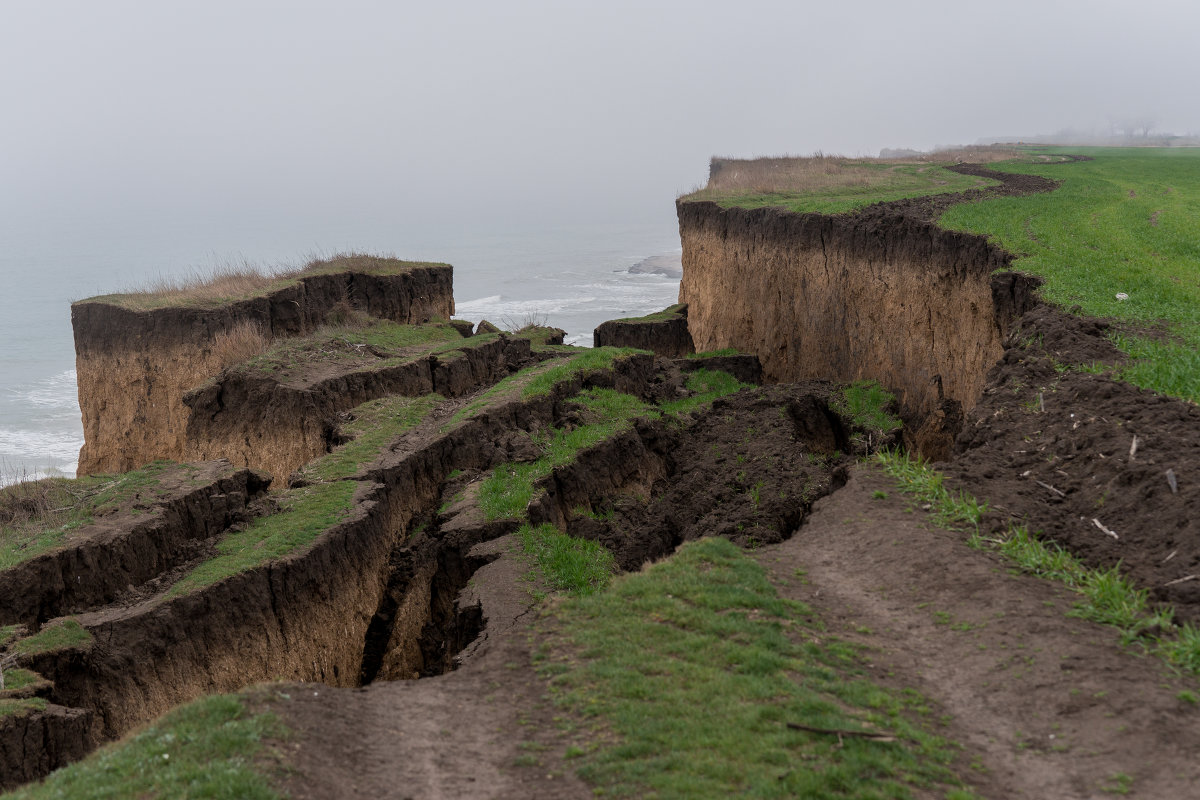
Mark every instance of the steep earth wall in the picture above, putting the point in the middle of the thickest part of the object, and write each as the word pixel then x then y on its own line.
pixel 134 367
pixel 842 298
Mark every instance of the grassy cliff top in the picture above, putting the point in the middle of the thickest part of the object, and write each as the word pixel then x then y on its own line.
pixel 234 283
pixel 835 184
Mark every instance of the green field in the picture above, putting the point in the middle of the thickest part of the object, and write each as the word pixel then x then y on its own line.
pixel 1125 222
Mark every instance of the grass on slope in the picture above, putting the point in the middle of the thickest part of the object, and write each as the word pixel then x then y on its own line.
pixel 697 665
pixel 376 423
pixel 204 749
pixel 1124 222
pixel 304 514
pixel 507 492
pixel 37 516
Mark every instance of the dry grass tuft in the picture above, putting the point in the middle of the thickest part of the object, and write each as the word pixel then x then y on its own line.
pixel 821 172
pixel 228 280
pixel 243 341
pixel 26 500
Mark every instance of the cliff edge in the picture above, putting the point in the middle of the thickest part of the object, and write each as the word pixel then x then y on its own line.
pixel 136 358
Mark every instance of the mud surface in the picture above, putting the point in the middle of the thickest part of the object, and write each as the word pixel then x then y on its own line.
pixel 1044 704
pixel 1053 448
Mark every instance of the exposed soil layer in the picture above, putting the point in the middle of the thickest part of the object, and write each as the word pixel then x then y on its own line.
pixel 662 333
pixel 1044 704
pixel 32 743
pixel 485 730
pixel 825 297
pixel 148 536
pixel 818 296
pixel 134 367
pixel 277 424
pixel 1053 448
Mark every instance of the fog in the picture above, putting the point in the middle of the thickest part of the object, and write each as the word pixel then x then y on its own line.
pixel 531 112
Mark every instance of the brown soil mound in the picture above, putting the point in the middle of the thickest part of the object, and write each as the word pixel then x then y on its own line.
pixel 1054 449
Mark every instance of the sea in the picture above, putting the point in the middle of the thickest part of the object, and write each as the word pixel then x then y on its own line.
pixel 572 276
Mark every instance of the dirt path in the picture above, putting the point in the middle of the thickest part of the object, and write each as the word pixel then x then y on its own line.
pixel 1044 704
pixel 486 730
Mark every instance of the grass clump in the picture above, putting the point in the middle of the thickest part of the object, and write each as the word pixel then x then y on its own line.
pixel 379 342
pixel 304 514
pixel 670 312
pixel 540 379
pixel 1129 216
pixel 866 404
pixel 36 516
pixel 575 566
pixel 55 636
pixel 13 706
pixel 1107 597
pixel 697 665
pixel 204 749
pixel 18 678
pixel 590 360
pixel 918 479
pixel 376 423
pixel 705 385
pixel 507 491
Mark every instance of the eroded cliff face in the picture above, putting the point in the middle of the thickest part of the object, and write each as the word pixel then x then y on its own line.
pixel 135 367
pixel 901 301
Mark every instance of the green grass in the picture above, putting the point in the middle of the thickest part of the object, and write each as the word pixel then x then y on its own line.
pixel 670 312
pixel 706 385
pixel 865 184
pixel 508 490
pixel 540 379
pixel 18 678
pixel 304 514
pixel 866 403
pixel 40 514
pixel 7 632
pixel 1124 222
pixel 917 479
pixel 695 665
pixel 576 566
pixel 13 707
pixel 353 340
pixel 590 360
pixel 204 749
pixel 1106 596
pixel 55 636
pixel 376 423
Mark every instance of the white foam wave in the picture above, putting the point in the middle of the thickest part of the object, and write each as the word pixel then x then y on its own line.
pixel 39 446
pixel 56 392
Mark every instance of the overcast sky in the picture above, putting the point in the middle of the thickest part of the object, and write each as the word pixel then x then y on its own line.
pixel 516 110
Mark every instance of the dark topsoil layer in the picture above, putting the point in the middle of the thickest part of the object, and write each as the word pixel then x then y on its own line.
pixel 1052 448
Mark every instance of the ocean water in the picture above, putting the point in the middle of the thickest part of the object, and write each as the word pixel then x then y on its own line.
pixel 572 277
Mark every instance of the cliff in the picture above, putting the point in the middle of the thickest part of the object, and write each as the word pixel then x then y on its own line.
pixel 135 364
pixel 922 310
